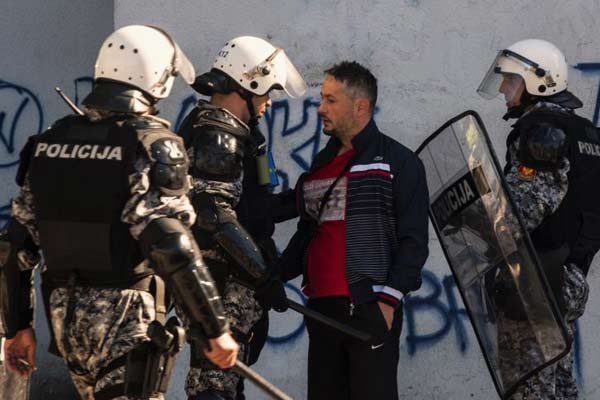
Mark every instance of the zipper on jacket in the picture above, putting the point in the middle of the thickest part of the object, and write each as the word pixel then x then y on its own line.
pixel 351 309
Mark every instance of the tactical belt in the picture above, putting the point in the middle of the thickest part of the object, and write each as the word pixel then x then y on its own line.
pixel 146 282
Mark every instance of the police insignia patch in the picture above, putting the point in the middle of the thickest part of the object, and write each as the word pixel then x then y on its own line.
pixel 526 174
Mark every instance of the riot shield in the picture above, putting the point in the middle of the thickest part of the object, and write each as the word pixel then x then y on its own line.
pixel 512 310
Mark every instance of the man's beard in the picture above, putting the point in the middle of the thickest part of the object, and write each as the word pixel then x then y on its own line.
pixel 329 132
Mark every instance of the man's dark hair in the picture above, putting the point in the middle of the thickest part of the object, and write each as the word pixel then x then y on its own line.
pixel 357 78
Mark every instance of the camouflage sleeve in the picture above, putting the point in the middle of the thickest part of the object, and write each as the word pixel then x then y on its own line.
pixel 230 191
pixel 148 203
pixel 537 194
pixel 23 210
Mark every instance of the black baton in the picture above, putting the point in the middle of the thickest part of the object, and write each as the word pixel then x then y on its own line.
pixel 71 105
pixel 332 323
pixel 259 381
pixel 241 369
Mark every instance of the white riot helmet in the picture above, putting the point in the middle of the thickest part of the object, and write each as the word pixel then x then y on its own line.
pixel 145 57
pixel 537 63
pixel 259 67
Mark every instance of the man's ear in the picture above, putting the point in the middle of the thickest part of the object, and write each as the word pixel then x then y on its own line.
pixel 362 106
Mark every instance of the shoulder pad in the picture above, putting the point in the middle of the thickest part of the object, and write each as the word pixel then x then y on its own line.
pixel 214 117
pixel 169 170
pixel 162 145
pixel 168 150
pixel 542 146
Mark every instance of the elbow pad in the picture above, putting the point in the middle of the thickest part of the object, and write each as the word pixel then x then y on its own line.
pixel 175 257
pixel 250 267
pixel 252 270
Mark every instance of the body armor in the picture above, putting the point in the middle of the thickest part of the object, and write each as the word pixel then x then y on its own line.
pixel 79 176
pixel 575 226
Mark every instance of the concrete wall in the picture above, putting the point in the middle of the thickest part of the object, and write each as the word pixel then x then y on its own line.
pixel 429 57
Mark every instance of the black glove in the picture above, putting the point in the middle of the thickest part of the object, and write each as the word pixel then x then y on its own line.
pixel 272 295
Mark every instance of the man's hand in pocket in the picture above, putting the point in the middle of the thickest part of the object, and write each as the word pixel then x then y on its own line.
pixel 388 314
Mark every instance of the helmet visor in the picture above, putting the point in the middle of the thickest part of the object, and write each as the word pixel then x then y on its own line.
pixel 506 66
pixel 282 74
pixel 180 64
pixel 294 84
pixel 183 66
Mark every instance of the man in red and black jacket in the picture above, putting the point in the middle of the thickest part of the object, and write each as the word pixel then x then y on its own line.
pixel 363 250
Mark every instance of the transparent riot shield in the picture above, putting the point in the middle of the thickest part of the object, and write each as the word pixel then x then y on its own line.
pixel 512 310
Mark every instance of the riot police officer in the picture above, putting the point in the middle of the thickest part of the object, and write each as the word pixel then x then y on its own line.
pixel 552 169
pixel 222 138
pixel 103 194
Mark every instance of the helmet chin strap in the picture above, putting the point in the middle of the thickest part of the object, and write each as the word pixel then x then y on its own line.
pixel 257 139
pixel 247 96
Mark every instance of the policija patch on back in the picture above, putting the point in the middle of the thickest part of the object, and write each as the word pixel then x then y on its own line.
pixel 79 151
pixel 457 197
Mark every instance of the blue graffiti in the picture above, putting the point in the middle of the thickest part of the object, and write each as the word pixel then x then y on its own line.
pixel 8 134
pixel 83 85
pixel 4 215
pixel 450 315
pixel 282 108
pixel 296 333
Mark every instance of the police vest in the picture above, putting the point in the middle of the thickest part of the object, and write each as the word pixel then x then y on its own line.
pixel 78 174
pixel 577 220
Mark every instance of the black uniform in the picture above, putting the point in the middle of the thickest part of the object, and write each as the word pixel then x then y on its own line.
pixel 105 199
pixel 222 151
pixel 553 166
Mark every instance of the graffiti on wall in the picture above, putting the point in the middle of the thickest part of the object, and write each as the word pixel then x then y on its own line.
pixel 21 115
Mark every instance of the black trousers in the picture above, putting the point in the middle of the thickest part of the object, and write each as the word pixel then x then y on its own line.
pixel 343 368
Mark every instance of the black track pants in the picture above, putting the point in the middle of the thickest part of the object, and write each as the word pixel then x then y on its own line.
pixel 343 368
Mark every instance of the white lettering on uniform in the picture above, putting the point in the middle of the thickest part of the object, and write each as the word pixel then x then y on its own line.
pixel 40 148
pixel 53 150
pixel 104 154
pixel 82 152
pixel 115 153
pixel 63 151
pixel 589 149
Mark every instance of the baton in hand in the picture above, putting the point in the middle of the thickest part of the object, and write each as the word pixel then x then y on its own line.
pixel 259 381
pixel 332 323
pixel 241 368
